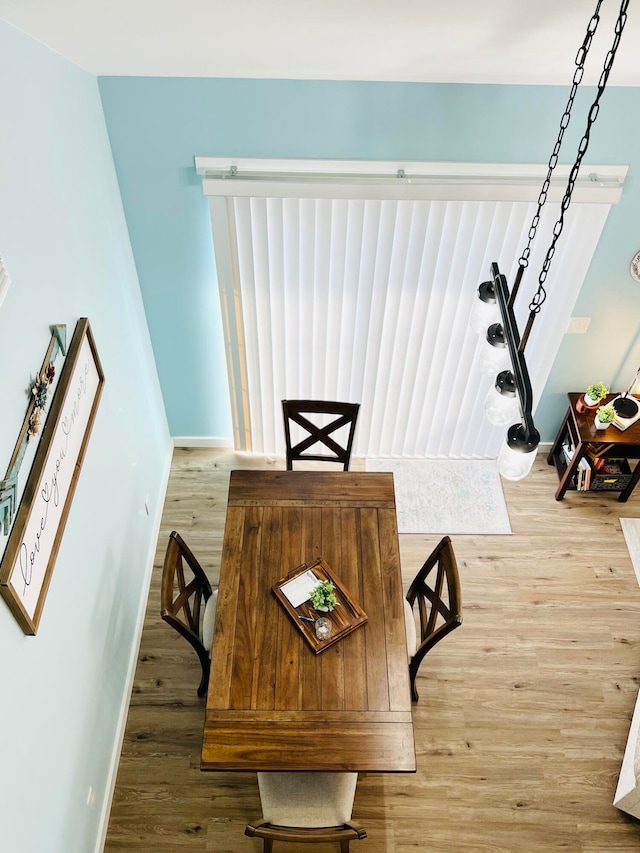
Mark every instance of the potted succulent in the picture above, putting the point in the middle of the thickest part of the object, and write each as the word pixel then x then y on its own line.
pixel 323 596
pixel 595 392
pixel 591 398
pixel 604 416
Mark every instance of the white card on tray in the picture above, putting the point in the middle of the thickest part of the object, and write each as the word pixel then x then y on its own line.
pixel 299 589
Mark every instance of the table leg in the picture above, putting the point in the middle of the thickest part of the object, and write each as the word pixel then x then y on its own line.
pixel 570 470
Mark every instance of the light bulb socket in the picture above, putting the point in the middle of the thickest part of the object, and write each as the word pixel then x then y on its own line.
pixel 505 384
pixel 495 335
pixel 487 293
pixel 518 440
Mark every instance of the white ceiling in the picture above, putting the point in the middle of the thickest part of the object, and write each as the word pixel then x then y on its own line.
pixel 470 41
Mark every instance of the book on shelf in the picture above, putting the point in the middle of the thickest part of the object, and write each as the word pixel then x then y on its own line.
pixel 583 475
pixel 613 467
pixel 567 449
pixel 596 452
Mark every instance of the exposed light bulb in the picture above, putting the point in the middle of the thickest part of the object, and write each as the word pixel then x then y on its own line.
pixel 501 404
pixel 485 309
pixel 494 356
pixel 518 453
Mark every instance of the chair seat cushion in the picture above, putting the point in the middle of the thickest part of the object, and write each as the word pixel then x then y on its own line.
pixel 209 620
pixel 307 799
pixel 410 629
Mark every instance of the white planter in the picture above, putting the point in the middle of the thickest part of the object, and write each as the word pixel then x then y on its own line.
pixel 600 425
pixel 590 402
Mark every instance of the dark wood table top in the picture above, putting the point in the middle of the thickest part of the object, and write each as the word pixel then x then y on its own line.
pixel 272 703
pixel 588 432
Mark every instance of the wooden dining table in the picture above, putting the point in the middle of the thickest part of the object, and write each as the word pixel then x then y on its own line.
pixel 274 703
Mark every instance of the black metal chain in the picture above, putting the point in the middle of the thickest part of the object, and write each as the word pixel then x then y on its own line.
pixel 540 295
pixel 580 60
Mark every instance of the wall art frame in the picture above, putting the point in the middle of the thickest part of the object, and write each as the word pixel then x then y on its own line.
pixel 35 409
pixel 32 548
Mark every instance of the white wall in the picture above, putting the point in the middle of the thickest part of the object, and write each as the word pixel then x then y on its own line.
pixel 64 240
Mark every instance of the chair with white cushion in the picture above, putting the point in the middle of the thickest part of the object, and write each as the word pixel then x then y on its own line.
pixel 188 603
pixel 309 806
pixel 436 590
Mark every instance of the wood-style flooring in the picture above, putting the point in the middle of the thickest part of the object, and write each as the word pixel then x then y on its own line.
pixel 523 715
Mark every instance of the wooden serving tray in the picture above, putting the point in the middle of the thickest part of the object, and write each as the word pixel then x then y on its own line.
pixel 344 618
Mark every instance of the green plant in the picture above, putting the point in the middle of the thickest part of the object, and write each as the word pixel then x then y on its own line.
pixel 323 596
pixel 606 414
pixel 597 390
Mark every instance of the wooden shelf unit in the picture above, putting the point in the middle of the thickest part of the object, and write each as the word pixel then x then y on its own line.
pixel 609 443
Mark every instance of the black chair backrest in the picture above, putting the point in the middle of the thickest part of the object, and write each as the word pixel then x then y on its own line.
pixel 296 411
pixel 436 588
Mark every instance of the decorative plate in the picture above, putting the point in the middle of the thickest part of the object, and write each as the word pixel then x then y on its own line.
pixel 634 269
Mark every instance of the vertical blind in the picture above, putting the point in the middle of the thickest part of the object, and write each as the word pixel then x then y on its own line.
pixel 368 300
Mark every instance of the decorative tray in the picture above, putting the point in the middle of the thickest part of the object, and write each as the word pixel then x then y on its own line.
pixel 344 618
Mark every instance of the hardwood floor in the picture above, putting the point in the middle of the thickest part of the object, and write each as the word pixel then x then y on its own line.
pixel 523 715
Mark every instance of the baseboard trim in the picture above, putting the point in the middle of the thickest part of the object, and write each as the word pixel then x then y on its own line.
pixel 133 661
pixel 201 441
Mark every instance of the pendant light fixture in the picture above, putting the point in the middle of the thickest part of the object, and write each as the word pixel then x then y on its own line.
pixel 503 349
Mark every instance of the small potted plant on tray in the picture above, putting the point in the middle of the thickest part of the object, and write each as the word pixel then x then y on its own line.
pixel 323 596
pixel 604 416
pixel 591 398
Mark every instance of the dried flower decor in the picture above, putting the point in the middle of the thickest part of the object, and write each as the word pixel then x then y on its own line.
pixel 40 392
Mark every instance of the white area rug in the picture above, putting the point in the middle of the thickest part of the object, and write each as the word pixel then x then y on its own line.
pixel 446 495
pixel 631 530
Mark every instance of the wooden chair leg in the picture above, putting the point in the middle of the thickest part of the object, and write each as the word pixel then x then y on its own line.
pixel 268 845
pixel 344 846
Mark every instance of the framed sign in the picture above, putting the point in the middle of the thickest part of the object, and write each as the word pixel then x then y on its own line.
pixel 32 547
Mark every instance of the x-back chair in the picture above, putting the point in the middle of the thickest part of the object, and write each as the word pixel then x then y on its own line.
pixel 188 603
pixel 436 591
pixel 302 412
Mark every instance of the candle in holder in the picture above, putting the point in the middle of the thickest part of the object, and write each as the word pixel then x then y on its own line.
pixel 323 628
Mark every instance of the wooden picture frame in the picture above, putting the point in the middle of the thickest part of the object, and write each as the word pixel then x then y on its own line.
pixel 32 547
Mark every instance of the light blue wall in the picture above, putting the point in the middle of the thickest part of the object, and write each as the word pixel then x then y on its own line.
pixel 64 239
pixel 156 126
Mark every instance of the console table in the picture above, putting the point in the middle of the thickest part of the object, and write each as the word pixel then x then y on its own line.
pixel 585 439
